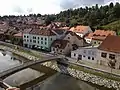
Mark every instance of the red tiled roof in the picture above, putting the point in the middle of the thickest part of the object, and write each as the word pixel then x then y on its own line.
pixel 111 44
pixel 79 29
pixel 61 44
pixel 103 33
pixel 100 35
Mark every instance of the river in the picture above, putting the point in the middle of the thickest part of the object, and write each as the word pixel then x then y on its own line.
pixel 38 77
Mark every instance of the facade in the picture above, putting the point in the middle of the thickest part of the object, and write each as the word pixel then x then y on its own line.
pixel 86 54
pixel 40 39
pixel 74 39
pixel 109 52
pixel 81 30
pixel 61 47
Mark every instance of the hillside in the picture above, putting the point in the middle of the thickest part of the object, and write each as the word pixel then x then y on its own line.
pixel 113 26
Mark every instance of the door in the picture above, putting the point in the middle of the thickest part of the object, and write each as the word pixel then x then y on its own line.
pixel 79 57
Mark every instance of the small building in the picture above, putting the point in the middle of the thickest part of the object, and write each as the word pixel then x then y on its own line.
pixel 61 47
pixel 81 30
pixel 74 39
pixel 18 38
pixel 85 53
pixel 100 35
pixel 109 52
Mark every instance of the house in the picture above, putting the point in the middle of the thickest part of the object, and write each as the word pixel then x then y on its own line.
pixel 74 39
pixel 40 39
pixel 61 47
pixel 100 35
pixel 86 54
pixel 109 52
pixel 81 30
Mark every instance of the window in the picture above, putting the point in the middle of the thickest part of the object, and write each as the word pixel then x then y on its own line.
pixel 94 42
pixel 60 50
pixel 24 36
pixel 38 38
pixel 92 58
pixel 74 54
pixel 111 56
pixel 83 56
pixel 27 36
pixel 45 38
pixel 27 40
pixel 30 40
pixel 88 57
pixel 104 55
pixel 34 41
pixel 93 53
pixel 41 38
pixel 45 43
pixel 84 51
pixel 41 42
pixel 38 41
pixel 51 39
pixel 68 37
pixel 53 49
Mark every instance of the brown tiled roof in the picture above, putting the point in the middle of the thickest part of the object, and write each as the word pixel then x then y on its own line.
pixel 61 44
pixel 27 31
pixel 111 44
pixel 73 34
pixel 79 29
pixel 43 32
pixel 20 34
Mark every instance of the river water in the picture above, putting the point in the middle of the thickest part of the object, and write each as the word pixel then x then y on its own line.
pixel 38 77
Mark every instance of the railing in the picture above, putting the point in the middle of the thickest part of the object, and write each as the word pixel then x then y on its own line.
pixel 23 66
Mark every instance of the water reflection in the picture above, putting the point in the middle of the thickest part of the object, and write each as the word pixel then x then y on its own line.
pixel 7 61
pixel 64 82
pixel 22 77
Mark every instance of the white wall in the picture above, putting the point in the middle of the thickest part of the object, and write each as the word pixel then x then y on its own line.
pixel 85 54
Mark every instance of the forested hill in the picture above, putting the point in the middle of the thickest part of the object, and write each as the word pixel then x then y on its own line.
pixel 94 16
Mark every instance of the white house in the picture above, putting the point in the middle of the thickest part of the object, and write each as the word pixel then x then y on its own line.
pixel 37 38
pixel 85 53
pixel 61 47
pixel 81 30
pixel 74 39
pixel 109 52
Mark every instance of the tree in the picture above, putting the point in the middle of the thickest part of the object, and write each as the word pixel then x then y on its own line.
pixel 111 5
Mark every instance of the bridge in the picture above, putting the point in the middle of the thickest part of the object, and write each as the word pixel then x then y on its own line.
pixel 8 72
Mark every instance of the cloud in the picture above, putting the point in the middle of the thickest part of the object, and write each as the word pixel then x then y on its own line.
pixel 18 9
pixel 66 4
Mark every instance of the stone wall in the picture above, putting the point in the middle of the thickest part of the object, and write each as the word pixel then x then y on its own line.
pixel 84 76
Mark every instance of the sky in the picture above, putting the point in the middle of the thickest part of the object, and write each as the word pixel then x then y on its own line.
pixel 21 7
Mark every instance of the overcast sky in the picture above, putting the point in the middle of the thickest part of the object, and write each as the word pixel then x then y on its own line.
pixel 17 7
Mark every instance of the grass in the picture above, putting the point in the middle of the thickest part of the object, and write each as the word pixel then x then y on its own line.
pixel 113 26
pixel 107 76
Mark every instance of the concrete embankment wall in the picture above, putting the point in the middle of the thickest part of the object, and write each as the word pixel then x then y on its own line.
pixel 83 76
